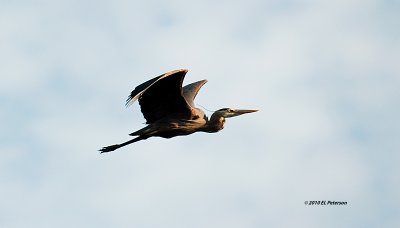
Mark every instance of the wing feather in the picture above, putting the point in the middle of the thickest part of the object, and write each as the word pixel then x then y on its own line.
pixel 190 91
pixel 162 97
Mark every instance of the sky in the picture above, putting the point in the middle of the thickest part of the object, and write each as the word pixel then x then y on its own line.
pixel 323 74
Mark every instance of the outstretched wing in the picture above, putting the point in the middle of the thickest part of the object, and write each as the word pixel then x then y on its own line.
pixel 162 96
pixel 190 91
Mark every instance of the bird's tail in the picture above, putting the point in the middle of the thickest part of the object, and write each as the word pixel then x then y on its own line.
pixel 116 146
pixel 144 131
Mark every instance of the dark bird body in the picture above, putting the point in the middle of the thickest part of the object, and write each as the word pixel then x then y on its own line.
pixel 169 109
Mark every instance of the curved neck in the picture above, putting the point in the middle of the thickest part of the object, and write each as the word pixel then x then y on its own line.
pixel 216 123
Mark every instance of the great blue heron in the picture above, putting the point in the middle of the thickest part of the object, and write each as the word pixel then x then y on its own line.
pixel 169 109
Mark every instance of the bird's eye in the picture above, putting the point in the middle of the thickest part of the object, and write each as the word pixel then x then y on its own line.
pixel 230 110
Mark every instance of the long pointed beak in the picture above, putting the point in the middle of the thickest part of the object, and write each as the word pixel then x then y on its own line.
pixel 238 112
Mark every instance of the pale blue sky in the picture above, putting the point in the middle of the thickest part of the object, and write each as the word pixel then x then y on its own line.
pixel 324 75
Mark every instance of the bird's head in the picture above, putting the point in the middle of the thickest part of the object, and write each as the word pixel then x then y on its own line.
pixel 228 112
pixel 217 120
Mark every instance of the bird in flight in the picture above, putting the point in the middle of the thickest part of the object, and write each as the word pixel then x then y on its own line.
pixel 169 109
